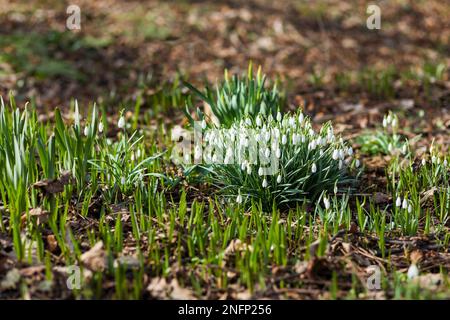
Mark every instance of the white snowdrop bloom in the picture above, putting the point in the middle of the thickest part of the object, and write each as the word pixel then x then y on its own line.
pixel 248 122
pixel 409 208
pixel 398 202
pixel 335 189
pixel 303 138
pixel 264 183
pixel 405 204
pixel 445 163
pixel 249 168
pixel 197 152
pixel 123 180
pixel 394 123
pixel 389 119
pixel 203 124
pixel 350 151
pixel 260 171
pixel 138 153
pixel 279 178
pixel 313 168
pixel 424 162
pixel 385 123
pixel 357 163
pixel 243 165
pixel 404 149
pixel 279 116
pixel 214 158
pixel 323 141
pixel 300 118
pixel 341 164
pixel 284 139
pixel 292 122
pixel 187 158
pixel 278 153
pixel 239 198
pixel 100 127
pixel 86 131
pixel 267 136
pixel 277 133
pixel 390 147
pixel 294 139
pixel 311 132
pixel 433 159
pixel 326 202
pixel 438 160
pixel 258 121
pixel 413 271
pixel 267 152
pixel 335 154
pixel 341 154
pixel 121 123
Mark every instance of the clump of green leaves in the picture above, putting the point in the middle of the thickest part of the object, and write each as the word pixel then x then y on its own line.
pixel 385 140
pixel 278 160
pixel 238 97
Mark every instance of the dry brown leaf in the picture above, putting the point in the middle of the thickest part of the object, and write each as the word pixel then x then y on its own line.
pixel 52 243
pixel 95 258
pixel 52 186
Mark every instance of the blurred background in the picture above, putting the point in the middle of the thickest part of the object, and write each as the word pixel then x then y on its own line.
pixel 321 51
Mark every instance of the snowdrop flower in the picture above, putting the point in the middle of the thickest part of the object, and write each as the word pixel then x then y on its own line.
pixel 394 123
pixel 123 180
pixel 326 202
pixel 405 204
pixel 350 151
pixel 390 147
pixel 445 163
pixel 303 139
pixel 433 159
pixel 278 153
pixel 239 198
pixel 341 164
pixel 404 148
pixel 284 139
pixel 313 168
pixel 424 162
pixel 385 123
pixel 264 183
pixel 203 124
pixel 300 118
pixel 249 169
pixel 413 271
pixel 278 116
pixel 260 171
pixel 279 178
pixel 335 154
pixel 292 122
pixel 100 127
pixel 86 131
pixel 138 153
pixel 248 122
pixel 258 121
pixel 398 202
pixel 409 208
pixel 121 123
pixel 197 152
pixel 267 152
pixel 357 163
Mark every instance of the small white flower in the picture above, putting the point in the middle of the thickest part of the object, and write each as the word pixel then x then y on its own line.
pixel 121 123
pixel 264 183
pixel 313 168
pixel 409 208
pixel 248 122
pixel 398 202
pixel 445 163
pixel 350 151
pixel 267 152
pixel 394 122
pixel 239 198
pixel 249 169
pixel 86 131
pixel 326 202
pixel 260 171
pixel 424 162
pixel 385 123
pixel 405 204
pixel 433 159
pixel 278 153
pixel 413 271
pixel 404 149
pixel 341 164
pixel 100 127
pixel 357 163
pixel 300 118
pixel 258 121
pixel 335 154
pixel 123 180
pixel 284 139
pixel 292 122
pixel 278 116
pixel 279 178
pixel 203 124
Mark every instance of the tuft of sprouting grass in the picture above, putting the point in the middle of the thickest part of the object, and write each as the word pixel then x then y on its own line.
pixel 237 97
